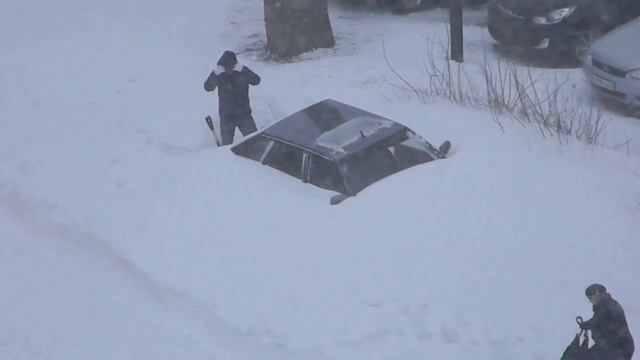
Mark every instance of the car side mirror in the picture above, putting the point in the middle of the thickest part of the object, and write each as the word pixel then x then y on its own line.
pixel 337 199
pixel 444 148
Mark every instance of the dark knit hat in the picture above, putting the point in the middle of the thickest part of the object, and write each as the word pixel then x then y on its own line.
pixel 594 288
pixel 228 59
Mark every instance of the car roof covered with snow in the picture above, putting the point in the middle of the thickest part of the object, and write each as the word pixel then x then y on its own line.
pixel 333 129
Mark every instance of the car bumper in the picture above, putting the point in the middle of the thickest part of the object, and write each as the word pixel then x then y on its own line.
pixel 515 30
pixel 612 86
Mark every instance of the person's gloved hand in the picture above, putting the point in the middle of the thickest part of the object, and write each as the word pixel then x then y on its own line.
pixel 239 67
pixel 218 70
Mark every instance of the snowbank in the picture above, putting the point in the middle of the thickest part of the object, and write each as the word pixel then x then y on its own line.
pixel 125 234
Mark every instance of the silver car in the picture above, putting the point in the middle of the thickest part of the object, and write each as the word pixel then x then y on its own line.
pixel 613 65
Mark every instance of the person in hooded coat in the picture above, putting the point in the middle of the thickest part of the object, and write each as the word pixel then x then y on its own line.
pixel 609 329
pixel 232 81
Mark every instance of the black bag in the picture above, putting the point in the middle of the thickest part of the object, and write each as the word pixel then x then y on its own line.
pixel 577 350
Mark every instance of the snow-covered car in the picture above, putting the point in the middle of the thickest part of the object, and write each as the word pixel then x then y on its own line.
pixel 613 64
pixel 566 27
pixel 339 147
pixel 407 6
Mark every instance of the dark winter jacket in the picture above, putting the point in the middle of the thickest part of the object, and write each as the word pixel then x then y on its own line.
pixel 609 326
pixel 233 90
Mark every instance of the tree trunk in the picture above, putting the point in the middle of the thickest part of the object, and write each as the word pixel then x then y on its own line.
pixel 456 30
pixel 296 26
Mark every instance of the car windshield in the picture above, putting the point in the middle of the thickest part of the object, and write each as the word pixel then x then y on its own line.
pixel 385 158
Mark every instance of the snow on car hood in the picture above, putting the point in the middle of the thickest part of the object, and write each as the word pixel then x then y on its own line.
pixel 620 48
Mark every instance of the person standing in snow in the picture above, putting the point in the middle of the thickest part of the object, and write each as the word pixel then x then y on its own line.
pixel 609 330
pixel 232 81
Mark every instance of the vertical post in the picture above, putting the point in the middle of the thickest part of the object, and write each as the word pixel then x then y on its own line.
pixel 455 23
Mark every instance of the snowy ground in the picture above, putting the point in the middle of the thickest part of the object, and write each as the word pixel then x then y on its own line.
pixel 126 235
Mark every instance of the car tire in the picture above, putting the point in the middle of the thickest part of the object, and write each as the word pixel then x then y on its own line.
pixel 495 33
pixel 560 51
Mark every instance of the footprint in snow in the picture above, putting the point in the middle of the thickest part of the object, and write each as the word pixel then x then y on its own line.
pixel 450 335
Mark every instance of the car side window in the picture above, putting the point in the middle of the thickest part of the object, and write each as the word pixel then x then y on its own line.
pixel 325 174
pixel 253 148
pixel 285 158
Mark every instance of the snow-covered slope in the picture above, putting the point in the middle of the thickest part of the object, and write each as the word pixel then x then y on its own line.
pixel 126 235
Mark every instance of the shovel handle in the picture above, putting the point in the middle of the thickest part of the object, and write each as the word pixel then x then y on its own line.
pixel 579 321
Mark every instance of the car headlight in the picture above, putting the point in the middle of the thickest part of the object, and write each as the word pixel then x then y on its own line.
pixel 634 75
pixel 554 17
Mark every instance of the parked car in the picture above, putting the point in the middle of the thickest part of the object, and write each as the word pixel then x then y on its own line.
pixel 407 6
pixel 613 64
pixel 339 147
pixel 566 27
